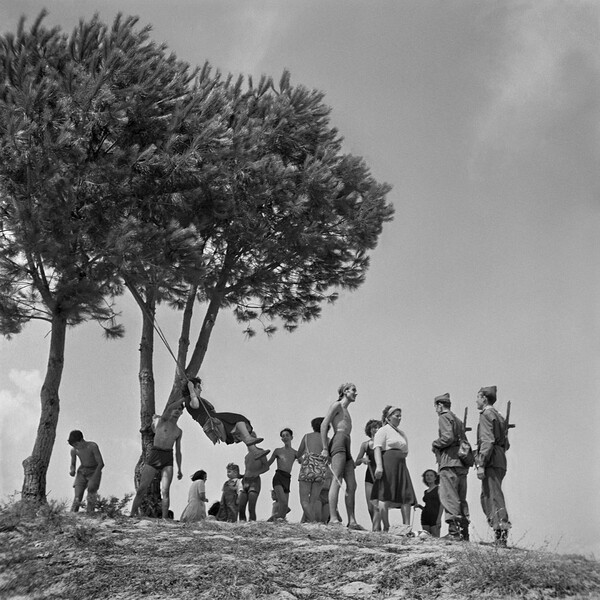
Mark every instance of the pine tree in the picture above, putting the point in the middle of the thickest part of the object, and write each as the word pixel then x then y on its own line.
pixel 86 123
pixel 292 217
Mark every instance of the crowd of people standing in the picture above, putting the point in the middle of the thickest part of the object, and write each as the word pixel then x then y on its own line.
pixel 326 465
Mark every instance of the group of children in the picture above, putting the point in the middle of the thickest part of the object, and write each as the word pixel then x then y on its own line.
pixel 240 491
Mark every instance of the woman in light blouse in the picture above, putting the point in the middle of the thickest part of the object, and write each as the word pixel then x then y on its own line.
pixel 393 487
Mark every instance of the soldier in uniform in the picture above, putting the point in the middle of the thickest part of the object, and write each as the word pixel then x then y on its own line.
pixel 453 473
pixel 490 459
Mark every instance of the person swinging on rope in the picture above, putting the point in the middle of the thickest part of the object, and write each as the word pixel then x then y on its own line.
pixel 227 427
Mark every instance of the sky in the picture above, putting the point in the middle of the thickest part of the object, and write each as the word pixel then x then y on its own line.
pixel 485 119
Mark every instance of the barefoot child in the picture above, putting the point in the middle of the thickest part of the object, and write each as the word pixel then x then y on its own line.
pixel 89 472
pixel 251 485
pixel 285 456
pixel 228 511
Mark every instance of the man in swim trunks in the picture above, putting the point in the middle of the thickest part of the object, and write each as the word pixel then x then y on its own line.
pixel 342 465
pixel 285 456
pixel 251 485
pixel 160 458
pixel 89 472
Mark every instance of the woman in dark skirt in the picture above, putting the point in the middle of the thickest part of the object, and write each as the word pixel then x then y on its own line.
pixel 393 487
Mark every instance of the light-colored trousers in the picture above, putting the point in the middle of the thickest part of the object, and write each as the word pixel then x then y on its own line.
pixel 453 493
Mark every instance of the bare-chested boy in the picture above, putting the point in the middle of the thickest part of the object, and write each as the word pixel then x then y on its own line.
pixel 342 465
pixel 160 458
pixel 89 472
pixel 285 456
pixel 251 485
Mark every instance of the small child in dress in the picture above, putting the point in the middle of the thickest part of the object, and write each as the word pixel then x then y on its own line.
pixel 229 508
pixel 196 506
pixel 431 515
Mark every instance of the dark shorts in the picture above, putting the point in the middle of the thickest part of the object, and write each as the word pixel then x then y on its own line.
pixel 340 442
pixel 251 484
pixel 85 479
pixel 159 458
pixel 324 496
pixel 282 478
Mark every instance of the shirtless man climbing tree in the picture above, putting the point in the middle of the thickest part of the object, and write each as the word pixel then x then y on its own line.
pixel 342 465
pixel 160 458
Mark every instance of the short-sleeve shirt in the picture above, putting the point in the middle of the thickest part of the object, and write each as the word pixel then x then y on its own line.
pixel 387 438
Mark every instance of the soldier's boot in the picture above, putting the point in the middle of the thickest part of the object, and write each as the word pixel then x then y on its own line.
pixel 464 529
pixel 501 537
pixel 454 531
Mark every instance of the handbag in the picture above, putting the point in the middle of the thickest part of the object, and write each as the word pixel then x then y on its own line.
pixel 215 430
pixel 313 467
pixel 465 452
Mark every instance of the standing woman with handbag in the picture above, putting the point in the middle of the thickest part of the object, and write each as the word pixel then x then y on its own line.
pixel 393 487
pixel 313 470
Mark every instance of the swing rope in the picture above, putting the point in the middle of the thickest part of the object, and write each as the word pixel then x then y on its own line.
pixel 163 339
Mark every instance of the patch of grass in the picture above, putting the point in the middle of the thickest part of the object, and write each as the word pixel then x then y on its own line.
pixel 523 573
pixel 420 580
pixel 83 533
pixel 112 507
pixel 42 518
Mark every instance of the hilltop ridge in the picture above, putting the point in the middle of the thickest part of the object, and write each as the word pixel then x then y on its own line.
pixel 65 556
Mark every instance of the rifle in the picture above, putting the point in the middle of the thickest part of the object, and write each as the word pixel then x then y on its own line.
pixel 509 425
pixel 465 420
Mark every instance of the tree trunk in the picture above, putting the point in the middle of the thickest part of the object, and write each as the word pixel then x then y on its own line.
pixel 151 506
pixel 184 342
pixel 201 347
pixel 35 467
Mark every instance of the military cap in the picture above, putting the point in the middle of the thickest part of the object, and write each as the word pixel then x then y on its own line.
pixel 443 399
pixel 489 392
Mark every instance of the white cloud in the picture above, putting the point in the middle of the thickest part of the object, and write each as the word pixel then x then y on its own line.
pixel 28 382
pixel 550 67
pixel 19 415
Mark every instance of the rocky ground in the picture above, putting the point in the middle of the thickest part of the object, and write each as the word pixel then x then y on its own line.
pixel 67 557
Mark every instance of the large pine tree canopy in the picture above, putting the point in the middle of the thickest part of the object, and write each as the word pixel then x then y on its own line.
pixel 122 167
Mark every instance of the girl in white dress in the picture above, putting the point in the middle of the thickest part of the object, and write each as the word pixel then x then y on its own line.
pixel 196 506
